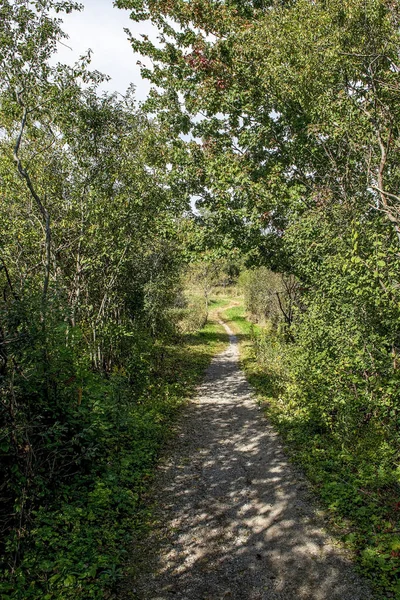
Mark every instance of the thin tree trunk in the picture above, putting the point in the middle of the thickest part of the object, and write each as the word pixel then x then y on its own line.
pixel 41 206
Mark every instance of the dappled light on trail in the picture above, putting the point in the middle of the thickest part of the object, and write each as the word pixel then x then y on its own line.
pixel 235 520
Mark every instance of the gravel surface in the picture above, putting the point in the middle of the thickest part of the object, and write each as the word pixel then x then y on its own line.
pixel 234 519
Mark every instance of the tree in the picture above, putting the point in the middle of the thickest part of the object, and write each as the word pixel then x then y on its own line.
pixel 90 269
pixel 293 108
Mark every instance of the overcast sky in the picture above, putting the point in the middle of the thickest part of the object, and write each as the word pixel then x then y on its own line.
pixel 100 27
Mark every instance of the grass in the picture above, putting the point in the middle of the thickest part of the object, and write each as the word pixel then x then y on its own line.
pixel 236 317
pixel 218 302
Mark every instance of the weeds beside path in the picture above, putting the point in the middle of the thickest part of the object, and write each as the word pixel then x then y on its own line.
pixel 360 512
pixel 233 520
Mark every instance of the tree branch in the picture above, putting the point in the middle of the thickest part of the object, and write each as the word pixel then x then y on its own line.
pixel 388 194
pixel 10 285
pixel 25 175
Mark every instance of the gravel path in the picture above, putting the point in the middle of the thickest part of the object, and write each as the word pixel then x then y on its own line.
pixel 235 520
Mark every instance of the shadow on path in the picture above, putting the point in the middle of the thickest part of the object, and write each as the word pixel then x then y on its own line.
pixel 235 520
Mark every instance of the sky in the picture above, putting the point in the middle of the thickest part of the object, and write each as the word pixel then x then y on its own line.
pixel 100 27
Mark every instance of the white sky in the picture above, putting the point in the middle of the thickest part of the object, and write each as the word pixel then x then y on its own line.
pixel 100 27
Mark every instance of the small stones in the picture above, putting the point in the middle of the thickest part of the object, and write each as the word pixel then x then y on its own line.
pixel 240 523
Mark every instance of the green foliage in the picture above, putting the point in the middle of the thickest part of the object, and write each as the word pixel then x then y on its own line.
pixel 294 112
pixel 92 364
pixel 293 164
pixel 270 296
pixel 193 315
pixel 79 534
pixel 236 315
pixel 346 447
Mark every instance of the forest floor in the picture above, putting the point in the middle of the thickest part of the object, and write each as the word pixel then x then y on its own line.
pixel 232 518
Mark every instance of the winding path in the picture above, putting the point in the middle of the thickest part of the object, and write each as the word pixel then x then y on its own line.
pixel 235 520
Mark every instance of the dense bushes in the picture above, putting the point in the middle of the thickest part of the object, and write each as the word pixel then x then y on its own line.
pixel 89 471
pixel 90 264
pixel 332 385
pixel 270 297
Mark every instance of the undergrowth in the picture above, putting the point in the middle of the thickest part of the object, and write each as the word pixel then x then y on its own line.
pixel 79 539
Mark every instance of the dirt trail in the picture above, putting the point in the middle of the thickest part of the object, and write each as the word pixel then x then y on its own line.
pixel 235 521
